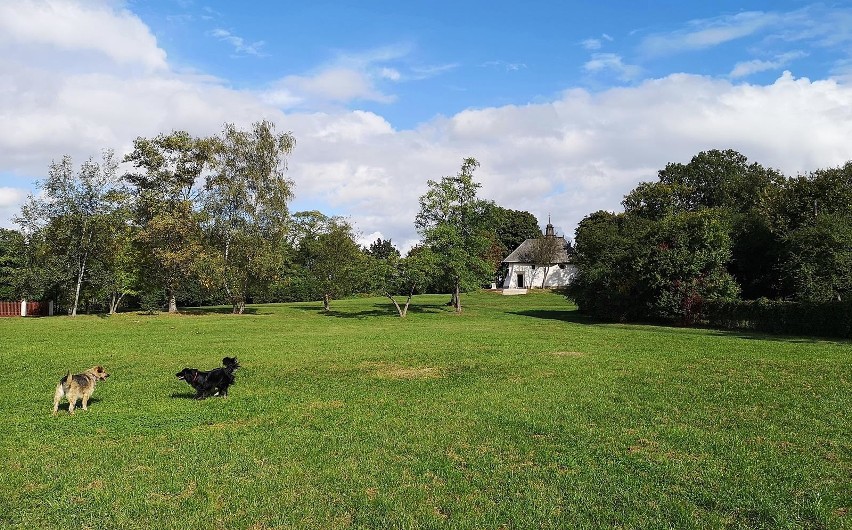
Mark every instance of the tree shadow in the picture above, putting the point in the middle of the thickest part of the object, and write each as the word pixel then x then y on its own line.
pixel 202 311
pixel 563 315
pixel 378 310
pixel 575 317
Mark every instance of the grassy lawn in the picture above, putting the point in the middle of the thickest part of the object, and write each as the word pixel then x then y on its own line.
pixel 518 414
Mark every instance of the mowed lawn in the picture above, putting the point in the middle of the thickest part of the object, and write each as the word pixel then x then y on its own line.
pixel 517 414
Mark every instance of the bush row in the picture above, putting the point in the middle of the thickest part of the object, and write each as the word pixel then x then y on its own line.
pixel 826 319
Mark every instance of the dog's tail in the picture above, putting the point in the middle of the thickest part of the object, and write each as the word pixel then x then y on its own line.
pixel 67 379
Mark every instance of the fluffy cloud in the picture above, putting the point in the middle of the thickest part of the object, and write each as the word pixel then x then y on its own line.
pixel 79 26
pixel 567 157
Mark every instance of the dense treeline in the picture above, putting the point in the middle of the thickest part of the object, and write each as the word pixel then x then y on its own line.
pixel 207 220
pixel 715 231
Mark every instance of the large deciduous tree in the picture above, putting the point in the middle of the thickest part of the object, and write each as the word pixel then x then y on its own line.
pixel 247 198
pixel 73 218
pixel 169 241
pixel 455 224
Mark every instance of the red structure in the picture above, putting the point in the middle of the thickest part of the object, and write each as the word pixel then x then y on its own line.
pixel 13 309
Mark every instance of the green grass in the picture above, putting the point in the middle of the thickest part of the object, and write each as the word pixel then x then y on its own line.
pixel 518 413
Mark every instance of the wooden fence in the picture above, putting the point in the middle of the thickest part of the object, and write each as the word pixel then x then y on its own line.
pixel 13 309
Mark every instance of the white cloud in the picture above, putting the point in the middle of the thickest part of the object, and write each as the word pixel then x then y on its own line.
pixel 591 44
pixel 11 200
pixel 611 62
pixel 746 68
pixel 578 153
pixel 241 47
pixel 80 26
pixel 707 33
pixel 503 65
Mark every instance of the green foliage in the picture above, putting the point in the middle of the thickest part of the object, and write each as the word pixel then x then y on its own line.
pixel 246 199
pixel 72 229
pixel 12 261
pixel 632 268
pixel 458 227
pixel 169 239
pixel 513 227
pixel 332 262
pixel 821 319
pixel 382 249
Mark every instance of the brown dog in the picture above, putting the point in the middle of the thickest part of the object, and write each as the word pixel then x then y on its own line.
pixel 78 386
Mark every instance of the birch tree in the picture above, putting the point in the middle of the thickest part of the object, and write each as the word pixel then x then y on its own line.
pixel 247 198
pixel 72 213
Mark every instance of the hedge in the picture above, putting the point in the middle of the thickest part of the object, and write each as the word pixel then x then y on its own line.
pixel 825 319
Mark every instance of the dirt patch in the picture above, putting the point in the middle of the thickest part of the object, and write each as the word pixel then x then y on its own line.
pixel 395 371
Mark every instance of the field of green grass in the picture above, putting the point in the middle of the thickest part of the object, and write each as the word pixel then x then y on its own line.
pixel 518 413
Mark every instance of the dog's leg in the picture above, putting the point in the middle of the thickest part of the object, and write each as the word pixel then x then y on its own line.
pixel 57 397
pixel 85 400
pixel 72 401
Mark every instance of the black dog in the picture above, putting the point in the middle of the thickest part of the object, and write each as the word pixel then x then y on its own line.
pixel 212 382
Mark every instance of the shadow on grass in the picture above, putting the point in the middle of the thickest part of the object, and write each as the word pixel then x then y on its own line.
pixel 562 315
pixel 575 317
pixel 202 311
pixel 182 395
pixel 378 310
pixel 79 407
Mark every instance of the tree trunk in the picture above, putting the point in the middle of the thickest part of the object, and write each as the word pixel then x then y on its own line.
pixel 79 283
pixel 457 299
pixel 396 305
pixel 325 302
pixel 239 307
pixel 546 270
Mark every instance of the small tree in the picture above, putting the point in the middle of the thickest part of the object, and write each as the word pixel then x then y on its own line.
pixel 455 225
pixel 404 276
pixel 545 252
pixel 332 261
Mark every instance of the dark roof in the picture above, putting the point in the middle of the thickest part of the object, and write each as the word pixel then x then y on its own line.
pixel 523 253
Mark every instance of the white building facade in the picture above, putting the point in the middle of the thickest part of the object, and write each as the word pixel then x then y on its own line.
pixel 523 273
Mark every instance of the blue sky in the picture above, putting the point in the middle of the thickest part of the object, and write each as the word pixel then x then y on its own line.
pixel 439 58
pixel 567 105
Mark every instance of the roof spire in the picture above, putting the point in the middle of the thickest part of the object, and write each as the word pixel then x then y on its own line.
pixel 549 230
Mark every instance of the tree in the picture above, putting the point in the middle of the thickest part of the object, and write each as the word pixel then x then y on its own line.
pixel 811 215
pixel 404 276
pixel 737 190
pixel 172 251
pixel 332 261
pixel 382 249
pixel 246 198
pixel 513 227
pixel 545 252
pixel 74 214
pixel 632 268
pixel 11 263
pixel 455 224
pixel 169 238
